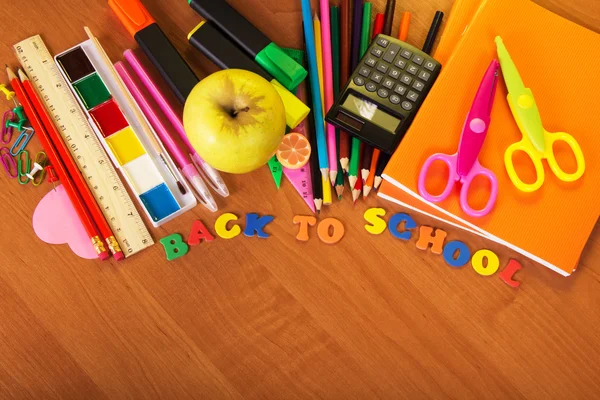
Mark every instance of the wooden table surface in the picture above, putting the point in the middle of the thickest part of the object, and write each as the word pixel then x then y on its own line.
pixel 370 317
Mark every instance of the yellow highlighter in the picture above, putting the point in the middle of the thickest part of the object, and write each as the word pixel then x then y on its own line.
pixel 225 54
pixel 537 142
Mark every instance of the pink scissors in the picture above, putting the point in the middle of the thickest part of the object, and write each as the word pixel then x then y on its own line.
pixel 464 166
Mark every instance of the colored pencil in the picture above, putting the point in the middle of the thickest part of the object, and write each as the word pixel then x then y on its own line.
pixel 335 50
pixel 368 184
pixel 309 40
pixel 315 173
pixel 364 31
pixel 378 25
pixel 390 9
pixel 55 159
pixel 328 87
pixel 433 31
pixel 72 169
pixel 358 186
pixel 366 152
pixel 327 194
pixel 319 49
pixel 356 33
pixel 383 161
pixel 345 52
pixel 335 54
pixel 404 26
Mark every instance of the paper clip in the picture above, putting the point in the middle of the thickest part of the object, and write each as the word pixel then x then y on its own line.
pixel 20 167
pixel 21 141
pixel 9 163
pixel 40 159
pixel 7 130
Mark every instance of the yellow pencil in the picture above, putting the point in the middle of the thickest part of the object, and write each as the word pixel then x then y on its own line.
pixel 327 191
pixel 319 46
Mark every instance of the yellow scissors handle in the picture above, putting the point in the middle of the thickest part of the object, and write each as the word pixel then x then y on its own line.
pixel 552 138
pixel 526 147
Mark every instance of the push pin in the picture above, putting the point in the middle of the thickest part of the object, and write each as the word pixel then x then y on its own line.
pixel 52 178
pixel 36 168
pixel 20 113
pixel 10 95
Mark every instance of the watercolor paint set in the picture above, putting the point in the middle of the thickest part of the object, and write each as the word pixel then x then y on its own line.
pixel 125 133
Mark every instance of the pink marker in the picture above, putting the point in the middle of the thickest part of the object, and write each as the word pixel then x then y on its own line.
pixel 328 89
pixel 188 169
pixel 213 177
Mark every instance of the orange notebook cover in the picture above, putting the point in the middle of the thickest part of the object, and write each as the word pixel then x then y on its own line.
pixel 559 61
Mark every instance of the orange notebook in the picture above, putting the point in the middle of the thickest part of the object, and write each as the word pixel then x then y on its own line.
pixel 559 61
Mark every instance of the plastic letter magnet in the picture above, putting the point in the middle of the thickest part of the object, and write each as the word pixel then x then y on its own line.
pixel 281 66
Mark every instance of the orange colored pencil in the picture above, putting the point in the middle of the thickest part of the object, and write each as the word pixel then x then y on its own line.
pixel 371 178
pixel 78 203
pixel 72 169
pixel 404 26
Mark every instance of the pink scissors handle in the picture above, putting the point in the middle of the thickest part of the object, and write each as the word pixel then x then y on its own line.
pixel 476 171
pixel 453 177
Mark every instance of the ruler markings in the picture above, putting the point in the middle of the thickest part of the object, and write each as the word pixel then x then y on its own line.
pixel 85 147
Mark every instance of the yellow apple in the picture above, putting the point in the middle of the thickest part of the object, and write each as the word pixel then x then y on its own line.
pixel 235 120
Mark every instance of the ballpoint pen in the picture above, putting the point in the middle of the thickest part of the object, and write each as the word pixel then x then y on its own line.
pixel 214 179
pixel 188 169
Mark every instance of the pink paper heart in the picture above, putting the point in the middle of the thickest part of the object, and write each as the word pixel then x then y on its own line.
pixel 56 222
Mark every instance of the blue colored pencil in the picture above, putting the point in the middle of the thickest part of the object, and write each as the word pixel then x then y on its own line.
pixel 311 53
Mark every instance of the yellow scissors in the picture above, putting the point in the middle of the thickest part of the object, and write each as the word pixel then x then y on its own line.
pixel 537 143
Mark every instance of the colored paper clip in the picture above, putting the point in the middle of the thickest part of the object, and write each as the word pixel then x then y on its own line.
pixel 7 130
pixel 21 141
pixel 10 166
pixel 38 173
pixel 20 167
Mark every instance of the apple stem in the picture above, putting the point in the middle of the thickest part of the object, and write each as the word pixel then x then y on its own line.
pixel 236 112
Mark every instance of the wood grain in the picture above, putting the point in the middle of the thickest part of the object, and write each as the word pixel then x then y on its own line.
pixel 371 317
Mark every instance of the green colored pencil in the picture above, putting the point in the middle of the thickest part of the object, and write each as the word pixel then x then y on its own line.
pixel 364 46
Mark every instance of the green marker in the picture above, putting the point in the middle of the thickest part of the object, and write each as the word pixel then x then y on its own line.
pixel 247 37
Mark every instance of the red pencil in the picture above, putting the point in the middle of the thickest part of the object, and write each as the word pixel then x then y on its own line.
pixel 378 26
pixel 74 196
pixel 76 176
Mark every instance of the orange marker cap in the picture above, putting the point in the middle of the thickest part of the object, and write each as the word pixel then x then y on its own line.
pixel 132 14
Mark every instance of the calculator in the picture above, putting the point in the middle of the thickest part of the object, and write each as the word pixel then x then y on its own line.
pixel 384 93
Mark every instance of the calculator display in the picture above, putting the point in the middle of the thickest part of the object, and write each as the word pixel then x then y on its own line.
pixel 371 112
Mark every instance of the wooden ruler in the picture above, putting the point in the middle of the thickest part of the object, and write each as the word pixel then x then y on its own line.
pixel 93 162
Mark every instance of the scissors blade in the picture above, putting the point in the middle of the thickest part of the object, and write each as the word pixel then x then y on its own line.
pixel 478 120
pixel 512 77
pixel 521 100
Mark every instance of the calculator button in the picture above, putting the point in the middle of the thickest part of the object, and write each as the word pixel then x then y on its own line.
pixel 407 105
pixel 371 87
pixel 370 61
pixel 383 42
pixel 358 81
pixel 423 75
pixel 412 96
pixel 406 79
pixel 418 85
pixel 400 63
pixel 395 99
pixel 412 69
pixel 391 53
pixel 377 77
pixel 394 73
pixel 406 54
pixel 364 72
pixel 400 90
pixel 389 84
pixel 383 93
pixel 383 68
pixel 430 65
pixel 377 52
pixel 417 59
